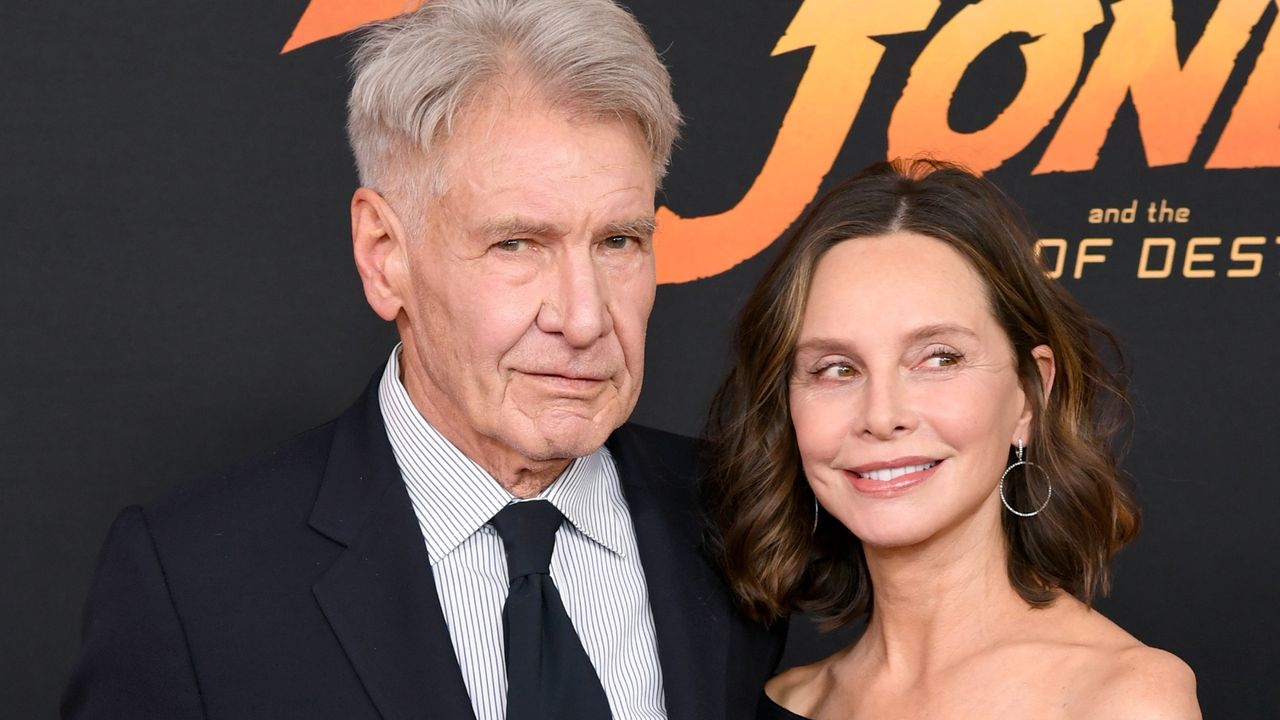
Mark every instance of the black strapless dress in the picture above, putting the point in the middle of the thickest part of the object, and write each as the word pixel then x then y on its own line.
pixel 770 710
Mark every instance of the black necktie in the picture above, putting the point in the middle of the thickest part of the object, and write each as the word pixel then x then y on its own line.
pixel 549 675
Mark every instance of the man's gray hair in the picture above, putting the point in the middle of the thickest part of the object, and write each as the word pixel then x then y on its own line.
pixel 417 73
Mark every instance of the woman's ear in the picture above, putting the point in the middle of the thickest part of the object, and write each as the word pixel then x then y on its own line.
pixel 1046 368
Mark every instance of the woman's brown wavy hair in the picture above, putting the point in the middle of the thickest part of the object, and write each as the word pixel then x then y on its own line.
pixel 761 507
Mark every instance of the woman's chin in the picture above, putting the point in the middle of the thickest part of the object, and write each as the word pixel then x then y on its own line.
pixel 887 534
pixel 888 542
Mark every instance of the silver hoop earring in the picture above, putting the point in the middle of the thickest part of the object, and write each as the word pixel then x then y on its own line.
pixel 815 516
pixel 1026 464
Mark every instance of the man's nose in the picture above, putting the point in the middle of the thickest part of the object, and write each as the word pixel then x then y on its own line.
pixel 576 304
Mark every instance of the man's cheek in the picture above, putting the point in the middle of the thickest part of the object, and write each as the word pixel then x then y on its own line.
pixel 504 312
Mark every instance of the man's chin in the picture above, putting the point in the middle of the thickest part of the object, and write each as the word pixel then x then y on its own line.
pixel 568 438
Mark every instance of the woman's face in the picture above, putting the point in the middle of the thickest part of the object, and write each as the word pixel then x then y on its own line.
pixel 904 395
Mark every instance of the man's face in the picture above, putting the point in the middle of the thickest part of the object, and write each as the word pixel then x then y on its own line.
pixel 528 289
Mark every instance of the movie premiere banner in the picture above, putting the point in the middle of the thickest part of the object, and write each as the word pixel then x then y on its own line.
pixel 179 293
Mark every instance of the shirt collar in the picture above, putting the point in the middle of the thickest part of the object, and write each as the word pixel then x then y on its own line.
pixel 590 497
pixel 453 497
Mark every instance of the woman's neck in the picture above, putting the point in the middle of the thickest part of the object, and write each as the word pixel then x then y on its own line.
pixel 939 602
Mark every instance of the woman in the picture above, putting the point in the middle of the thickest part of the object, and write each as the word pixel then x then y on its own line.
pixel 916 429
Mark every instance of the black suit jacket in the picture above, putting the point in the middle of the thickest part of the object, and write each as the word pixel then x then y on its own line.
pixel 299 586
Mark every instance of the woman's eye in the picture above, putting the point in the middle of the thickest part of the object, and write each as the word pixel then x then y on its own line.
pixel 838 370
pixel 943 359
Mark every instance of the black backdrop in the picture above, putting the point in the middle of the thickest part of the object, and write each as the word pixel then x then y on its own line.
pixel 178 291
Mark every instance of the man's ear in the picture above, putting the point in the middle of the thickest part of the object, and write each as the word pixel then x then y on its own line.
pixel 1045 364
pixel 378 244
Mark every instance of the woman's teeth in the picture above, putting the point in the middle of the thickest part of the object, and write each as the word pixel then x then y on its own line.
pixel 887 474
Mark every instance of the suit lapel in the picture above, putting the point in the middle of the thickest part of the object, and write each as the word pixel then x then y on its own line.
pixel 379 595
pixel 691 612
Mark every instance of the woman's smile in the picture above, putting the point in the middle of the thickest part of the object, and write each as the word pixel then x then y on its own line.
pixel 892 478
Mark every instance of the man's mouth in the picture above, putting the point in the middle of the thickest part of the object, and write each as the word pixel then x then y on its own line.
pixel 572 377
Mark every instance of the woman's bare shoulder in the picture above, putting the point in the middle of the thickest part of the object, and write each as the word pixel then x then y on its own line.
pixel 801 688
pixel 1145 682
pixel 1127 679
pixel 1103 672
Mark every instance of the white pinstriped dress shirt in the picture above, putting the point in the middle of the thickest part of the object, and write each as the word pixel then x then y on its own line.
pixel 595 566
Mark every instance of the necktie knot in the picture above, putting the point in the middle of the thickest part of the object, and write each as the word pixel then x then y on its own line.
pixel 528 532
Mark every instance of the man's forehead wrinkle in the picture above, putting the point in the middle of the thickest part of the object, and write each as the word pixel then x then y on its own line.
pixel 503 97
pixel 477 131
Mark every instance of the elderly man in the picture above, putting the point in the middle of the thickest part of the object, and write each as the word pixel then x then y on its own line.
pixel 480 535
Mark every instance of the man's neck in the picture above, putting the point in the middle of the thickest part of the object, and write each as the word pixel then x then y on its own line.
pixel 527 480
pixel 521 476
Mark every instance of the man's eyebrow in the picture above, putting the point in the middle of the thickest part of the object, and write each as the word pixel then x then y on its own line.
pixel 638 227
pixel 517 227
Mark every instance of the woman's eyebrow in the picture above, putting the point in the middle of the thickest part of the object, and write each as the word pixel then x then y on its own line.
pixel 822 345
pixel 929 332
pixel 920 334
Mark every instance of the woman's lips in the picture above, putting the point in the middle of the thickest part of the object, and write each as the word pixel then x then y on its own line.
pixel 861 478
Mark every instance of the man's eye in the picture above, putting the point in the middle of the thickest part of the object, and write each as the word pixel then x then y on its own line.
pixel 511 245
pixel 617 242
